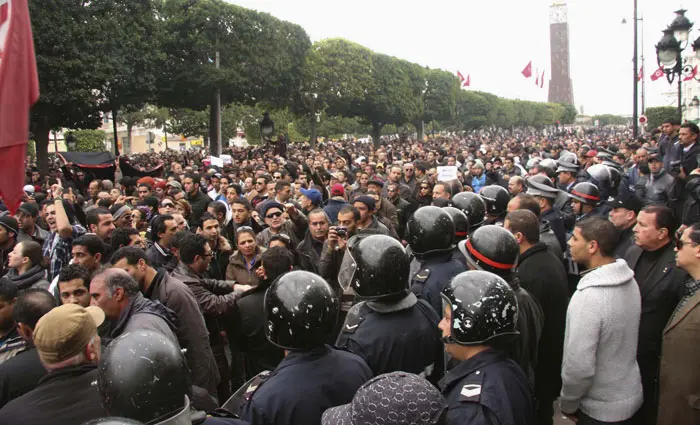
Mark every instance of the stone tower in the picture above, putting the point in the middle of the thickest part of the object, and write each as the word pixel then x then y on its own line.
pixel 560 86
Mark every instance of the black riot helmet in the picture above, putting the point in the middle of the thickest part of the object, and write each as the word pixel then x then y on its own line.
pixel 143 375
pixel 461 222
pixel 430 230
pixel 112 421
pixel 375 266
pixel 585 192
pixel 540 185
pixel 496 199
pixel 472 206
pixel 600 172
pixel 301 309
pixel 493 249
pixel 484 309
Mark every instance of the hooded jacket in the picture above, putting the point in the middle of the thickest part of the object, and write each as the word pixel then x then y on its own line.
pixel 599 373
pixel 35 277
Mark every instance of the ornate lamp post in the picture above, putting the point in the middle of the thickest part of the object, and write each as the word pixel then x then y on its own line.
pixel 668 52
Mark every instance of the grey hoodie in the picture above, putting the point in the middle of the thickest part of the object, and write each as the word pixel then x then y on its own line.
pixel 599 373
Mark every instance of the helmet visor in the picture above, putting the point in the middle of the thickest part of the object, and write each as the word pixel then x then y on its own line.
pixel 348 268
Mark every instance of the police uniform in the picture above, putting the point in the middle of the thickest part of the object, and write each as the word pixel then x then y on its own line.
pixel 395 337
pixel 556 220
pixel 304 385
pixel 436 271
pixel 488 388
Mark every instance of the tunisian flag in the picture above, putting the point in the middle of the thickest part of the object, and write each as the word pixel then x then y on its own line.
pixel 468 81
pixel 527 72
pixel 461 77
pixel 657 74
pixel 19 89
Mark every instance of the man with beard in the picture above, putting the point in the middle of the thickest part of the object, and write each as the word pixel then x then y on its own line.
pixel 310 249
pixel 27 217
pixel 221 248
pixel 121 216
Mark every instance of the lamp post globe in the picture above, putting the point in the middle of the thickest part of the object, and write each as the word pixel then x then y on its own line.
pixel 681 26
pixel 668 49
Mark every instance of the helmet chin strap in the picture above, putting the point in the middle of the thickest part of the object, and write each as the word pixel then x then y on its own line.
pixel 448 340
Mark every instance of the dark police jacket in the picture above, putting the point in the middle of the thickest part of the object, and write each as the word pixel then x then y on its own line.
pixel 401 336
pixel 435 273
pixel 304 385
pixel 489 388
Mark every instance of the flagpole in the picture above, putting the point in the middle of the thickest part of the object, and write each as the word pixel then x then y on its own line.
pixel 635 119
pixel 643 66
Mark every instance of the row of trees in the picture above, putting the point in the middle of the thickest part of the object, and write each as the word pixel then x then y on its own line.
pixel 171 61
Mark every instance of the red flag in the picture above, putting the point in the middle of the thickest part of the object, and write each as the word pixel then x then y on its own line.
pixel 641 73
pixel 527 72
pixel 468 81
pixel 537 78
pixel 19 89
pixel 461 77
pixel 657 74
pixel 692 74
pixel 542 79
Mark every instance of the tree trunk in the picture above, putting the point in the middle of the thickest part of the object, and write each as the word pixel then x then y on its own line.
pixel 41 131
pixel 115 113
pixel 312 141
pixel 214 123
pixel 376 134
pixel 127 142
pixel 420 129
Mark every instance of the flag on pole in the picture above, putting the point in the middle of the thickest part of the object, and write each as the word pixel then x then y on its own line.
pixel 537 78
pixel 527 71
pixel 468 81
pixel 19 89
pixel 657 74
pixel 692 74
pixel 542 79
pixel 641 73
pixel 461 78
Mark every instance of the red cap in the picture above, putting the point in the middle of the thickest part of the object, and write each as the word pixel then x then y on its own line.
pixel 337 190
pixel 148 180
pixel 592 153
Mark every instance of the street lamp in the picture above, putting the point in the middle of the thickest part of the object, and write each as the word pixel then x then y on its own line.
pixel 669 49
pixel 71 142
pixel 681 26
pixel 267 127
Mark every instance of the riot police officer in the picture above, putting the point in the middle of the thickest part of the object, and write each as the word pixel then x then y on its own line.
pixel 486 387
pixel 585 200
pixel 431 237
pixel 543 189
pixel 496 199
pixel 376 268
pixel 495 250
pixel 144 376
pixel 472 206
pixel 300 310
pixel 461 231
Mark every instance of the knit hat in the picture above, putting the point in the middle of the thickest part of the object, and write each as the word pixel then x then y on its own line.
pixel 64 332
pixel 367 200
pixel 395 398
pixel 266 206
pixel 10 223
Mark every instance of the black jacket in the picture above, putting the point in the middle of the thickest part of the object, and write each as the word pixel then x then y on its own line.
pixel 20 374
pixel 544 276
pixel 66 396
pixel 249 335
pixel 35 277
pixel 489 388
pixel 309 258
pixel 661 290
pixel 199 203
pixel 161 258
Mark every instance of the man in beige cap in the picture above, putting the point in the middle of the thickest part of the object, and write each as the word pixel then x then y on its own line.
pixel 69 348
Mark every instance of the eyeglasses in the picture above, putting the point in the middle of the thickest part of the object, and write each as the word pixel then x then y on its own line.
pixel 680 243
pixel 274 215
pixel 259 182
pixel 244 229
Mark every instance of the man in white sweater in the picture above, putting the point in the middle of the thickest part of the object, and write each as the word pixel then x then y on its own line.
pixel 600 376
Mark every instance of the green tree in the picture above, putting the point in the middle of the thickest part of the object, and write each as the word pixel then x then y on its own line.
pixel 261 57
pixel 657 115
pixel 70 69
pixel 569 115
pixel 89 140
pixel 131 55
pixel 336 73
pixel 473 110
pixel 438 98
pixel 609 119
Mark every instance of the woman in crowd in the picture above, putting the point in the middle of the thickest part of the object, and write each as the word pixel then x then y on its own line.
pixel 244 266
pixel 26 266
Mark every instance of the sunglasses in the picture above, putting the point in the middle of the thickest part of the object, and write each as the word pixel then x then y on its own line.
pixel 167 204
pixel 244 229
pixel 424 188
pixel 259 182
pixel 274 215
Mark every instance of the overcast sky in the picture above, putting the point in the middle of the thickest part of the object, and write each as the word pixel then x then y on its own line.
pixel 493 41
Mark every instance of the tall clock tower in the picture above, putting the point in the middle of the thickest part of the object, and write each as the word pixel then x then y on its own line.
pixel 560 86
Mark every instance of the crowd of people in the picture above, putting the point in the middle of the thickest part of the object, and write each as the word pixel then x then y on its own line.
pixel 488 278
